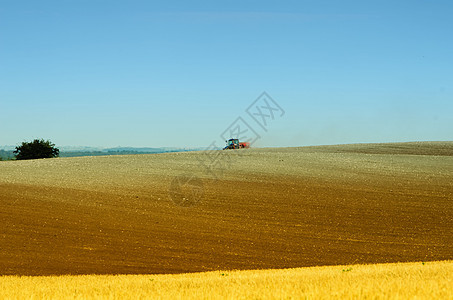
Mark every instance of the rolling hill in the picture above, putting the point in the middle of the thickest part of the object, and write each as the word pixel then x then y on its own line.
pixel 251 209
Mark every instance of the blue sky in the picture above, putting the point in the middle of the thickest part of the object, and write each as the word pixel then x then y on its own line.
pixel 177 73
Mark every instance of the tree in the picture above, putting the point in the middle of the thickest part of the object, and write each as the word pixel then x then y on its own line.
pixel 36 149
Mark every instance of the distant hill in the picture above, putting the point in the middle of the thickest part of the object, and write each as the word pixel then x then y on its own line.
pixel 121 151
pixel 6 152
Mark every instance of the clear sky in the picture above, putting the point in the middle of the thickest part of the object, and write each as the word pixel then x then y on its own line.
pixel 178 73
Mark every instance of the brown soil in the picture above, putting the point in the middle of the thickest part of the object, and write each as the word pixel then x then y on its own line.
pixel 270 208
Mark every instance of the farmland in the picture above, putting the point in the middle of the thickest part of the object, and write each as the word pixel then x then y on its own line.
pixel 270 208
pixel 431 280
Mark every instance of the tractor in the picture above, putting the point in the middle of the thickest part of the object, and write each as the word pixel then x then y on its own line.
pixel 235 144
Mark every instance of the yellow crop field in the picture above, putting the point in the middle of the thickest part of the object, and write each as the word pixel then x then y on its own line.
pixel 431 280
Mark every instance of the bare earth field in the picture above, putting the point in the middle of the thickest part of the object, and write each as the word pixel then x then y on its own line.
pixel 269 208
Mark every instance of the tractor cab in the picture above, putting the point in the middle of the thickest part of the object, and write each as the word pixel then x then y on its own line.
pixel 232 144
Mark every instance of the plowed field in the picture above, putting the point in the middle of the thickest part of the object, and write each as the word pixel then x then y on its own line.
pixel 253 209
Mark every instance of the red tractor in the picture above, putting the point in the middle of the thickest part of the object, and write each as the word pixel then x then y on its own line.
pixel 235 144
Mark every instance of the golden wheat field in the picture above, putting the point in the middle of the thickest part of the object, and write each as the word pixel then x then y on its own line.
pixel 432 280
